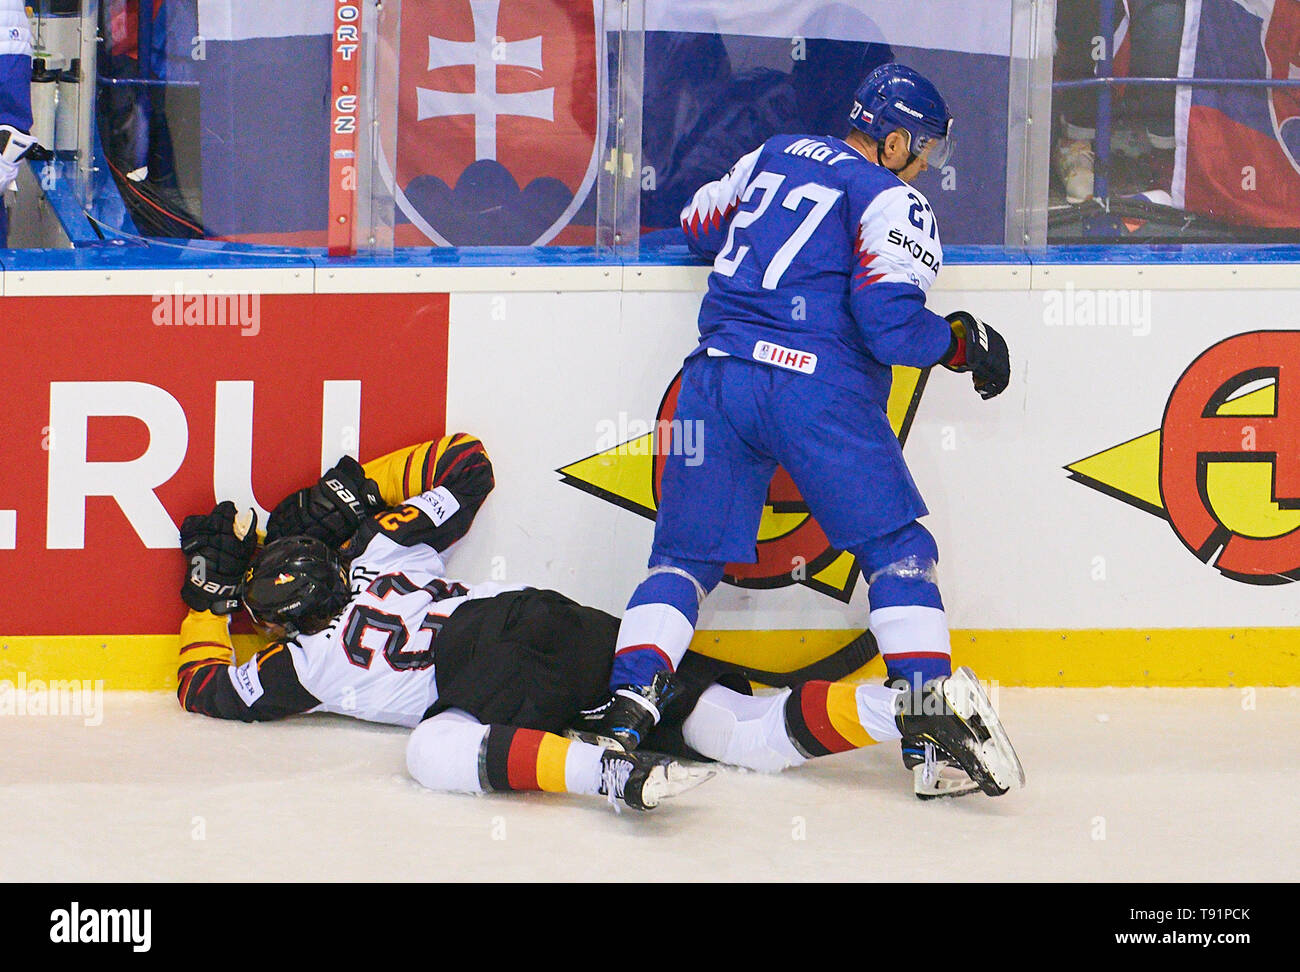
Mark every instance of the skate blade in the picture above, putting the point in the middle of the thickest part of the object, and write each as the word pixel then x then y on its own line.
pixel 672 780
pixel 595 739
pixel 967 698
pixel 942 788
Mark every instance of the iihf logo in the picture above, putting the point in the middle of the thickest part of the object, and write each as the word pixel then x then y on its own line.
pixel 498 120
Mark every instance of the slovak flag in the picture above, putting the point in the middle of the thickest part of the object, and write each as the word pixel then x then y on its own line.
pixel 1239 148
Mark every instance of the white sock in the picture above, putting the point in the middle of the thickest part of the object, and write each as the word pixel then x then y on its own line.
pixel 876 711
pixel 909 631
pixel 656 625
pixel 582 767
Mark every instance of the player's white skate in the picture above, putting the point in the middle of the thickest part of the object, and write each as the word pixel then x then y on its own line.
pixel 642 780
pixel 955 715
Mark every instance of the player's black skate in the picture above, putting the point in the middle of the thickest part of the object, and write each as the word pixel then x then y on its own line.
pixel 955 715
pixel 642 780
pixel 624 721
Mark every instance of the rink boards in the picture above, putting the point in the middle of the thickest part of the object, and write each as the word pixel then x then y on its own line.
pixel 1127 513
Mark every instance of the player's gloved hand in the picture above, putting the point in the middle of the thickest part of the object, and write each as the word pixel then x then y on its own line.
pixel 979 349
pixel 218 549
pixel 331 510
pixel 14 144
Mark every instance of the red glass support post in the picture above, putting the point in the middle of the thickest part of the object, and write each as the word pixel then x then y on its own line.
pixel 345 104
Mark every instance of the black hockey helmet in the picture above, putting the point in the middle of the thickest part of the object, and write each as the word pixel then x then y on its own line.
pixel 298 583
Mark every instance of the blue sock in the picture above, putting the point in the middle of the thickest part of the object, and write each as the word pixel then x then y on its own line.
pixel 660 620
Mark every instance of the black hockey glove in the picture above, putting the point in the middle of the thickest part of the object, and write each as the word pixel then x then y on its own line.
pixel 331 510
pixel 979 349
pixel 217 554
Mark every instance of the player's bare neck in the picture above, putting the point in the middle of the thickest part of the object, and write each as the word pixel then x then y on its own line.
pixel 870 150
pixel 864 146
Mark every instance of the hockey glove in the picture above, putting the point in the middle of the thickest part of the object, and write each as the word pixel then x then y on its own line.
pixel 331 510
pixel 979 349
pixel 14 144
pixel 218 549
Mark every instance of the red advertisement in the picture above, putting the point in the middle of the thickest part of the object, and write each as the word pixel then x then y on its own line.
pixel 125 414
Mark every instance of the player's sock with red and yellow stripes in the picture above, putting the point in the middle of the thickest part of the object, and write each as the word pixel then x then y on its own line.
pixel 833 717
pixel 529 759
pixel 453 751
pixel 772 732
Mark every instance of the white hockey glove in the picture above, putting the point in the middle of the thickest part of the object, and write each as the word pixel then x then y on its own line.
pixel 13 146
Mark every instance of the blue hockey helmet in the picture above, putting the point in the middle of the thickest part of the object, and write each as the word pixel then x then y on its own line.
pixel 894 96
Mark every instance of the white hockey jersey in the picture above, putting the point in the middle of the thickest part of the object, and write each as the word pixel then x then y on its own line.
pixel 375 660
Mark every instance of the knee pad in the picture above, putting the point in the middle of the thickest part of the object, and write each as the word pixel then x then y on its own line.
pixel 705 575
pixel 442 752
pixel 901 568
pixel 682 583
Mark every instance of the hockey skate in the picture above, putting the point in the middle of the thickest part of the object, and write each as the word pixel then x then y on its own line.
pixel 642 780
pixel 955 716
pixel 624 721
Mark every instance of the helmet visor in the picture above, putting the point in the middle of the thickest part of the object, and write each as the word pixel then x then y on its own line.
pixel 936 150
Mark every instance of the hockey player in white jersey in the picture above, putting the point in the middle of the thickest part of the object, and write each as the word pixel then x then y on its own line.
pixel 822 254
pixel 351 589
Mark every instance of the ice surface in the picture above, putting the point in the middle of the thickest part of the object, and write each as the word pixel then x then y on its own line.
pixel 1123 785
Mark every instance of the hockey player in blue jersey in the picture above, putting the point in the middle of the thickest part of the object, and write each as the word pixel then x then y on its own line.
pixel 822 256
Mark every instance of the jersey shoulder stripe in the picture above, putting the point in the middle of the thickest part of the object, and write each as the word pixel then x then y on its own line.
pixel 714 202
pixel 897 240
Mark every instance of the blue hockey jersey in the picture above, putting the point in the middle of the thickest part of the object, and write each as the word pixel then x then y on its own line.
pixel 821 264
pixel 15 66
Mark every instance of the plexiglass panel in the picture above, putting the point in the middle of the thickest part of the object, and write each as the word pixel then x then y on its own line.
pixel 580 128
pixel 722 77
